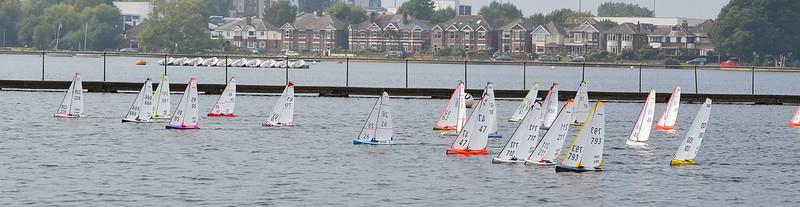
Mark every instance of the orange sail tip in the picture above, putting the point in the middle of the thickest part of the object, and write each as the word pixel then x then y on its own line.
pixel 290 84
pixel 665 128
pixel 793 124
pixel 466 152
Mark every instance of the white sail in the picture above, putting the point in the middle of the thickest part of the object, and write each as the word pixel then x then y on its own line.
pixel 795 120
pixel 452 117
pixel 226 102
pixel 161 106
pixel 378 128
pixel 492 104
pixel 526 104
pixel 72 104
pixel 581 104
pixel 283 111
pixel 691 143
pixel 586 151
pixel 670 114
pixel 186 115
pixel 475 135
pixel 548 148
pixel 524 139
pixel 550 106
pixel 142 108
pixel 644 121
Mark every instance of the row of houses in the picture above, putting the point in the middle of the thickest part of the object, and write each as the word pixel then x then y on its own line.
pixel 319 32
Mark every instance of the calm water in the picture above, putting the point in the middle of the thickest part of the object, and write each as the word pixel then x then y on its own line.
pixel 28 67
pixel 748 158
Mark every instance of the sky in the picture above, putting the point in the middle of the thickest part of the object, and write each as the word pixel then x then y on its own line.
pixel 701 9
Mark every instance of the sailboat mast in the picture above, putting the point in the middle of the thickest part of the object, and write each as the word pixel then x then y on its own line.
pixel 85 33
pixel 58 34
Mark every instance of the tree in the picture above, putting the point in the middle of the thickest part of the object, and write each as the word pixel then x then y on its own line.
pixel 349 14
pixel 646 53
pixel 536 19
pixel 442 15
pixel 612 9
pixel 82 4
pixel 218 8
pixel 9 16
pixel 309 6
pixel 567 17
pixel 103 27
pixel 280 13
pixel 176 27
pixel 500 14
pixel 763 27
pixel 422 9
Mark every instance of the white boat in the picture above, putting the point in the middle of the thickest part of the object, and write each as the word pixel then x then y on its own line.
pixel 644 121
pixel 299 64
pixel 180 61
pixel 586 151
pixel 72 104
pixel 226 102
pixel 687 151
pixel 377 129
pixel 468 100
pixel 267 64
pixel 239 63
pixel 161 97
pixel 194 61
pixel 473 139
pixel 253 63
pixel 795 120
pixel 199 61
pixel 187 114
pixel 548 148
pixel 550 106
pixel 670 114
pixel 210 62
pixel 491 103
pixel 280 64
pixel 282 113
pixel 223 62
pixel 167 61
pixel 581 104
pixel 453 114
pixel 141 110
pixel 526 104
pixel 524 139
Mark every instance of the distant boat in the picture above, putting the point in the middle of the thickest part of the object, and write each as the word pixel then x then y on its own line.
pixel 586 151
pixel 194 62
pixel 581 104
pixel 491 103
pixel 161 97
pixel 280 64
pixel 223 62
pixel 167 61
pixel 141 110
pixel 299 64
pixel 239 63
pixel 72 104
pixel 282 113
pixel 795 121
pixel 687 151
pixel 644 121
pixel 59 54
pixel 453 114
pixel 472 140
pixel 186 115
pixel 180 61
pixel 524 138
pixel 550 106
pixel 377 129
pixel 210 62
pixel 267 64
pixel 526 104
pixel 253 63
pixel 670 114
pixel 226 102
pixel 547 150
pixel 84 55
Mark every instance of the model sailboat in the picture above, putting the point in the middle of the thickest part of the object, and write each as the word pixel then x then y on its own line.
pixel 687 151
pixel 586 151
pixel 378 128
pixel 72 104
pixel 670 115
pixel 226 102
pixel 795 121
pixel 141 110
pixel 161 98
pixel 644 121
pixel 581 104
pixel 452 117
pixel 283 112
pixel 524 139
pixel 491 103
pixel 472 140
pixel 187 115
pixel 526 104
pixel 550 106
pixel 547 150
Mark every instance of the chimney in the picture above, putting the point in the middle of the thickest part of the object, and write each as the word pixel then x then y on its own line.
pixel 372 16
pixel 685 24
pixel 249 20
pixel 638 27
pixel 405 18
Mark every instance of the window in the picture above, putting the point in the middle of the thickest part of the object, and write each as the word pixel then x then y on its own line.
pixel 417 34
pixel 262 33
pixel 316 35
pixel 251 44
pixel 251 33
pixel 216 35
pixel 405 35
pixel 329 35
pixel 373 33
pixel 287 34
pixel 578 37
pixel 301 34
pixel 481 35
pixel 452 35
pixel 540 38
pixel 437 34
pixel 468 35
pixel 237 33
pixel 539 49
pixel 677 39
pixel 506 35
pixel 520 34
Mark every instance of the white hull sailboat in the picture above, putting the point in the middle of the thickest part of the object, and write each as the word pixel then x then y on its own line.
pixel 795 120
pixel 644 121
pixel 670 114
pixel 548 149
pixel 586 151
pixel 72 104
pixel 187 114
pixel 253 63
pixel 452 117
pixel 492 104
pixel 282 113
pixel 377 129
pixel 524 138
pixel 687 151
pixel 210 62
pixel 526 104
pixel 473 139
pixel 550 106
pixel 581 104
pixel 161 106
pixel 141 110
pixel 226 101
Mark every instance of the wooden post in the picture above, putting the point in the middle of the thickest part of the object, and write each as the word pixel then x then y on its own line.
pixel 347 74
pixel 583 72
pixel 104 66
pixel 753 82
pixel 406 72
pixel 165 63
pixel 695 80
pixel 640 78
pixel 465 74
pixel 43 54
pixel 524 74
pixel 226 69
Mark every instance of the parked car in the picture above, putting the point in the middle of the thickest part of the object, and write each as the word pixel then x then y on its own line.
pixel 503 58
pixel 697 61
pixel 255 51
pixel 578 59
pixel 395 54
pixel 292 53
pixel 549 58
